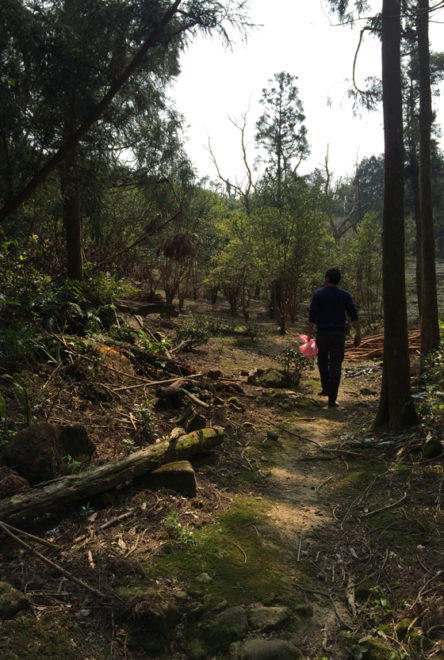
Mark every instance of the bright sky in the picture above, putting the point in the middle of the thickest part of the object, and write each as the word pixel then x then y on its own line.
pixel 303 39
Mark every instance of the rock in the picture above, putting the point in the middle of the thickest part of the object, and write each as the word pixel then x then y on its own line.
pixel 156 613
pixel 195 611
pixel 11 482
pixel 74 441
pixel 304 610
pixel 273 378
pixel 196 650
pixel 34 453
pixel 11 601
pixel 214 374
pixel 178 476
pixel 229 626
pixel 264 649
pixel 267 618
pixel 204 578
pixel 39 452
pixel 195 423
pixel 214 603
pixel 432 448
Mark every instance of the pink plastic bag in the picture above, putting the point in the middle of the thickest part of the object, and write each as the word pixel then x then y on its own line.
pixel 308 348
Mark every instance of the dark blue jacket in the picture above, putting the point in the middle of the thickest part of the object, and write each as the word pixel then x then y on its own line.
pixel 328 308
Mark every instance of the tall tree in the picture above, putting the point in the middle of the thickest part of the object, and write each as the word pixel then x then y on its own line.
pixel 280 129
pixel 395 405
pixel 429 303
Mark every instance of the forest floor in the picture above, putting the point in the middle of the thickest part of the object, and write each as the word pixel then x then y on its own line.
pixel 301 507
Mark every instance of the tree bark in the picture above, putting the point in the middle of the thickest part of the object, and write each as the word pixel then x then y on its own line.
pixel 61 493
pixel 395 405
pixel 429 302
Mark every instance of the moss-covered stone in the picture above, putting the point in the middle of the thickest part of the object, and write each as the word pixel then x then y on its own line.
pixel 177 475
pixel 227 627
pixel 273 378
pixel 268 618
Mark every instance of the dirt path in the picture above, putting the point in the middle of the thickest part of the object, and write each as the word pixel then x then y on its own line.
pixel 303 511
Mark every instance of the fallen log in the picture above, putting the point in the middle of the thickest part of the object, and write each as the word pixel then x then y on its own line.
pixel 74 488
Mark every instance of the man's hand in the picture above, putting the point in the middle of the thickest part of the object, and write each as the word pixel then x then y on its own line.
pixel 357 341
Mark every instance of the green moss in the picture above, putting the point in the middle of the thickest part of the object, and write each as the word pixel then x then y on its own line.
pixel 243 564
pixel 129 592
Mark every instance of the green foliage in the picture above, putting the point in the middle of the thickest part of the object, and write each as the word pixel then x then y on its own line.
pixel 73 466
pixel 193 333
pixel 179 533
pixel 157 344
pixel 21 392
pixel 280 129
pixel 431 400
pixel 145 419
pixel 361 263
pixel 295 363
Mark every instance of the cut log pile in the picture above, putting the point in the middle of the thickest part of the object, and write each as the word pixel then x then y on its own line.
pixel 372 347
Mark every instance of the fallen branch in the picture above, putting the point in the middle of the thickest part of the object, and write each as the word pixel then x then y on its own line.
pixel 37 539
pixel 152 383
pixel 384 508
pixel 74 488
pixel 51 563
pixel 193 398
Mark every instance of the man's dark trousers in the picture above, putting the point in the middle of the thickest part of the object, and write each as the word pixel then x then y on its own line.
pixel 331 354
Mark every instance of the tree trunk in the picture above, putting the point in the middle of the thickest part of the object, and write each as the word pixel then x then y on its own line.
pixel 429 302
pixel 59 494
pixel 395 405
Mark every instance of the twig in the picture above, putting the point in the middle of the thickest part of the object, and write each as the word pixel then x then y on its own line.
pixel 37 539
pixel 239 548
pixel 318 488
pixel 151 383
pixel 384 508
pixel 299 548
pixel 193 398
pixel 51 563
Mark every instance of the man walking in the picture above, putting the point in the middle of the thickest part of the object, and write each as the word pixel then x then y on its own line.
pixel 328 309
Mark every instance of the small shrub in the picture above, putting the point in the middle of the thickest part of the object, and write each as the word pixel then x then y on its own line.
pixel 193 334
pixel 294 364
pixel 178 532
pixel 145 419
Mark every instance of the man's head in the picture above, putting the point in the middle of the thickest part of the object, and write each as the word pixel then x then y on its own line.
pixel 333 276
